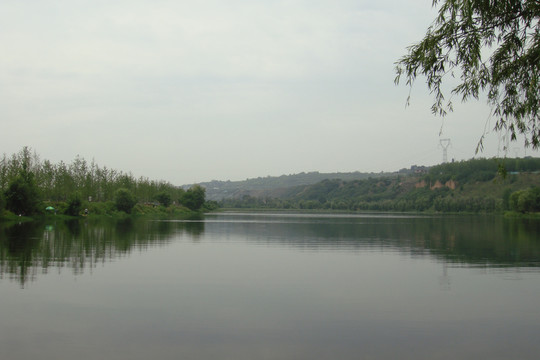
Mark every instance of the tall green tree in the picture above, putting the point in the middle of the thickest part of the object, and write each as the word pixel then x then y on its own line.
pixel 493 47
pixel 74 204
pixel 124 200
pixel 22 194
pixel 164 199
pixel 194 198
pixel 2 202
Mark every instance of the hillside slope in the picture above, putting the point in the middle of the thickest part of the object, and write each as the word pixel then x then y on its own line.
pixel 473 185
pixel 274 185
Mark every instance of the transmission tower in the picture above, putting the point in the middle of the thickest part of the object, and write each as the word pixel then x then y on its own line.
pixel 445 143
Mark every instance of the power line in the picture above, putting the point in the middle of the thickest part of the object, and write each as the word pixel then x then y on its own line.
pixel 445 143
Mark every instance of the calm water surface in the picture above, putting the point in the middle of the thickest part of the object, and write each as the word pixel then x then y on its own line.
pixel 272 286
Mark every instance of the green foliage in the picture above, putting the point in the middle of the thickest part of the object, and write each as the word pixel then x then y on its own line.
pixel 74 204
pixel 270 185
pixel 464 171
pixel 2 202
pixel 101 208
pixel 210 205
pixel 526 201
pixel 22 194
pixel 124 200
pixel 164 199
pixel 25 179
pixel 194 198
pixel 464 32
pixel 480 170
pixel 506 199
pixel 477 189
pixel 56 183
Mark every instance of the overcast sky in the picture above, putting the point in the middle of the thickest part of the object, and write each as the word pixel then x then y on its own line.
pixel 190 91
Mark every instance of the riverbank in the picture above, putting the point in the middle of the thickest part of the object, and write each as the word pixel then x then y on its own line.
pixel 104 210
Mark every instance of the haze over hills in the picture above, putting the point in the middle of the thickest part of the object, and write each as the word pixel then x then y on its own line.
pixel 278 185
pixel 479 185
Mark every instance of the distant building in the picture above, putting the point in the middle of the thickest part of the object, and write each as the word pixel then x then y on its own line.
pixel 419 169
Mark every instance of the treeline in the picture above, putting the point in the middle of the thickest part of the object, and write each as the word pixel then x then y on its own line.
pixel 481 170
pixel 24 174
pixel 270 185
pixel 390 199
pixel 466 186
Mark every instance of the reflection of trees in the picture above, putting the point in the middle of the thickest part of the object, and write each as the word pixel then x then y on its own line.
pixel 19 244
pixel 488 241
pixel 195 229
pixel 28 248
pixel 475 240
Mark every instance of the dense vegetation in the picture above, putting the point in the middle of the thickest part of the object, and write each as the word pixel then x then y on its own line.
pixel 263 186
pixel 466 186
pixel 29 185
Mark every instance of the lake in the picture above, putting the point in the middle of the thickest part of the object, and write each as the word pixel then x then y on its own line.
pixel 271 286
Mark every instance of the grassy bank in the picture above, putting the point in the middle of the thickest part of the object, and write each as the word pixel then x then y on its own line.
pixel 103 209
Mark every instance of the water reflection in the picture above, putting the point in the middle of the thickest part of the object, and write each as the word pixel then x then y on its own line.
pixel 487 241
pixel 468 240
pixel 29 248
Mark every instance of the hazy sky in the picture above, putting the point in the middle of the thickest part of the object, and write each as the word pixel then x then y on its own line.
pixel 190 91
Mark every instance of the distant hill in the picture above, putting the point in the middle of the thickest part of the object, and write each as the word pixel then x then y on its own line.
pixel 472 185
pixel 277 186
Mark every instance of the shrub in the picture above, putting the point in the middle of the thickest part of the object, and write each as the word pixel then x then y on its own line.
pixel 22 196
pixel 124 200
pixel 526 200
pixel 194 198
pixel 164 199
pixel 74 205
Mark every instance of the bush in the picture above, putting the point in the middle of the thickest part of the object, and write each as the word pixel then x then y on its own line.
pixel 101 208
pixel 74 205
pixel 194 198
pixel 124 200
pixel 164 199
pixel 526 200
pixel 210 206
pixel 22 196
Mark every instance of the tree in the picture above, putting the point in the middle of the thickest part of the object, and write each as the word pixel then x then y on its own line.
pixel 2 203
pixel 124 200
pixel 164 199
pixel 526 200
pixel 194 197
pixel 494 48
pixel 74 204
pixel 22 195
